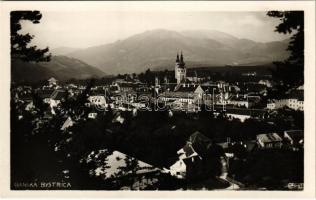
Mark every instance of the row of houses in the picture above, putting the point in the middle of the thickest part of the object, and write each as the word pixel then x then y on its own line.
pixel 294 100
pixel 190 162
pixel 292 138
pixel 186 92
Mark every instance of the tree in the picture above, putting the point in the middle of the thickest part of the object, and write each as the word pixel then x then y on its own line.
pixel 20 42
pixel 129 171
pixel 291 70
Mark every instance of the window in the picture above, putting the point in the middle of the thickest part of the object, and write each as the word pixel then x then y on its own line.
pixel 269 145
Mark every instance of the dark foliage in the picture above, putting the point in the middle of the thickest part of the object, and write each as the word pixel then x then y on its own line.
pixel 270 169
pixel 20 42
pixel 291 70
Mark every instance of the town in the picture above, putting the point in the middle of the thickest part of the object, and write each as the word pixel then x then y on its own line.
pixel 168 130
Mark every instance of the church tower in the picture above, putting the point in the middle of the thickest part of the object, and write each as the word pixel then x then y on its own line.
pixel 180 70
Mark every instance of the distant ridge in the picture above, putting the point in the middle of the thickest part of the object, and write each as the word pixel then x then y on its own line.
pixel 156 49
pixel 63 51
pixel 60 67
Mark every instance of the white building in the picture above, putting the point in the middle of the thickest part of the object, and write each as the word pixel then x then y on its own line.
pixel 92 115
pixel 296 104
pixel 98 100
pixel 293 103
pixel 294 100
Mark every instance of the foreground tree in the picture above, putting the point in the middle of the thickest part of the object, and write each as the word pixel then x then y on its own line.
pixel 20 42
pixel 291 70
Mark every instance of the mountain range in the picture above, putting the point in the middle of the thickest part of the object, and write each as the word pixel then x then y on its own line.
pixel 60 67
pixel 157 49
pixel 63 50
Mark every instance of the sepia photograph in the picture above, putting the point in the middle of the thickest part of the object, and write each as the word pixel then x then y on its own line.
pixel 161 100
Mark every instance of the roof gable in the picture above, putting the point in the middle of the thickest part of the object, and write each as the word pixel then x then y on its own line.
pixel 270 137
pixel 58 95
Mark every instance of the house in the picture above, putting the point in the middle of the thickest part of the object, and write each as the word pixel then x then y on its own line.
pixel 193 158
pixel 269 141
pixel 300 87
pixel 241 117
pixel 265 82
pixel 294 137
pixel 294 100
pixel 184 93
pixel 71 86
pixel 296 104
pixel 68 123
pixel 92 115
pixel 187 157
pixel 30 106
pixel 274 104
pixel 182 97
pixel 52 82
pixel 291 102
pixel 45 94
pixel 127 87
pixel 198 92
pixel 239 101
pixel 56 97
pixel 236 113
pixel 97 98
pixel 114 89
pixel 118 118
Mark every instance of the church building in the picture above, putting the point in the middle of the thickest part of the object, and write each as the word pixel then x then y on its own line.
pixel 180 70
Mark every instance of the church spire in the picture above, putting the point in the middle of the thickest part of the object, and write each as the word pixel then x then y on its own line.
pixel 177 58
pixel 181 57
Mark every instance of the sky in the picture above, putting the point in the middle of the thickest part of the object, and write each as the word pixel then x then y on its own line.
pixel 86 29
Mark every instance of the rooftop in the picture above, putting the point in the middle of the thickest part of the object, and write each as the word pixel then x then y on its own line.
pixel 52 79
pixel 58 95
pixel 45 93
pixel 116 161
pixel 270 137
